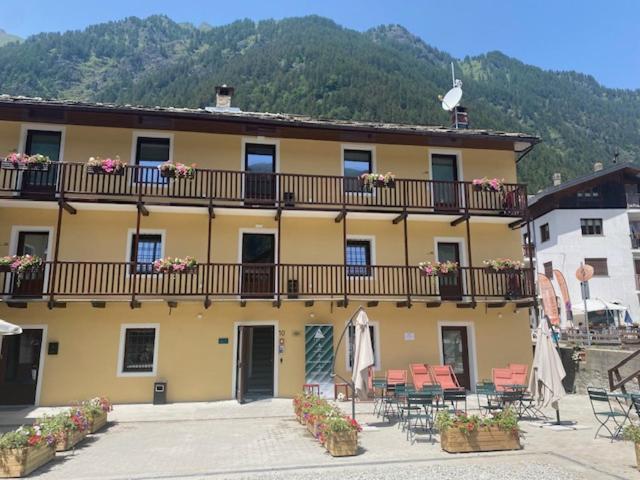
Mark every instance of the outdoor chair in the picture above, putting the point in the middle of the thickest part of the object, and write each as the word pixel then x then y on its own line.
pixel 604 412
pixel 420 375
pixel 501 378
pixel 488 390
pixel 379 385
pixel 419 411
pixel 635 400
pixel 455 397
pixel 396 377
pixel 393 399
pixel 519 373
pixel 445 377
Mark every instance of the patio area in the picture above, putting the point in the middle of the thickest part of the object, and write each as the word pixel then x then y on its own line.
pixel 263 440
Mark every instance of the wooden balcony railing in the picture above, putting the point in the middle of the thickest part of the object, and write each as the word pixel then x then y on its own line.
pixel 226 188
pixel 88 280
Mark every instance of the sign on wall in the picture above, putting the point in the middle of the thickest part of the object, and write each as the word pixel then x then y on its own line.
pixel 318 354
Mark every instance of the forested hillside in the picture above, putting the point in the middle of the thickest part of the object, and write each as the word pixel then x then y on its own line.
pixel 312 66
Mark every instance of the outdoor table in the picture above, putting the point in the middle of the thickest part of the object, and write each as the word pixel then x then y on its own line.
pixel 619 397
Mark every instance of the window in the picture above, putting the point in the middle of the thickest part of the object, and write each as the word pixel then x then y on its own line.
pixel 548 269
pixel 151 152
pixel 544 232
pixel 149 250
pixel 372 334
pixel 600 268
pixel 358 258
pixel 138 349
pixel 591 226
pixel 356 162
pixel 44 142
pixel 589 193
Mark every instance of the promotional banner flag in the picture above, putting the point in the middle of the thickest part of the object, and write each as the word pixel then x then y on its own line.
pixel 549 303
pixel 564 291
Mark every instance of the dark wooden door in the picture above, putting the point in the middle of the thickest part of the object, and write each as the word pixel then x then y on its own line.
pixel 455 352
pixel 31 284
pixel 242 363
pixel 444 173
pixel 42 182
pixel 19 367
pixel 260 167
pixel 260 378
pixel 451 284
pixel 258 270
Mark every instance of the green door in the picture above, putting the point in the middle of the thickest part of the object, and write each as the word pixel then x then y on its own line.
pixel 318 352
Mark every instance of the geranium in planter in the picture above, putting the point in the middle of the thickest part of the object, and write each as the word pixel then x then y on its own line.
pixel 434 269
pixel 175 265
pixel 505 265
pixel 488 184
pixel 68 428
pixel 105 166
pixel 632 433
pixel 6 262
pixel 23 265
pixel 21 161
pixel 177 170
pixel 96 411
pixel 472 433
pixel 387 180
pixel 24 450
pixel 339 434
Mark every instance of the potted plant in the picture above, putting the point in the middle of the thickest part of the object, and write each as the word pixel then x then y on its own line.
pixel 68 428
pixel 24 450
pixel 21 161
pixel 22 265
pixel 632 433
pixel 370 180
pixel 175 265
pixel 317 415
pixel 96 411
pixel 6 262
pixel 435 269
pixel 105 166
pixel 471 433
pixel 177 170
pixel 339 434
pixel 487 184
pixel 503 265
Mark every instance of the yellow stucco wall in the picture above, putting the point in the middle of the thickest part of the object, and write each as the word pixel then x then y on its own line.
pixel 197 368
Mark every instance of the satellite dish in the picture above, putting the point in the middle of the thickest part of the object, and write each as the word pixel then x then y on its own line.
pixel 452 97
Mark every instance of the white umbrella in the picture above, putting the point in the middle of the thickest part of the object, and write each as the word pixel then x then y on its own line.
pixel 363 355
pixel 547 373
pixel 596 305
pixel 7 328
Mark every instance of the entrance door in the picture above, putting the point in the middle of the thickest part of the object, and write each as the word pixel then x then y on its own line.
pixel 31 243
pixel 318 357
pixel 444 172
pixel 46 143
pixel 258 270
pixel 455 352
pixel 259 167
pixel 450 284
pixel 254 375
pixel 19 365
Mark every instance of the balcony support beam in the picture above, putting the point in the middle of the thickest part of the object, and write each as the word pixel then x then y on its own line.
pixel 466 305
pixel 243 303
pixel 135 304
pixel 278 274
pixel 403 304
pixel 517 224
pixel 459 220
pixel 56 248
pixel 472 277
pixel 343 303
pixel 372 304
pixel 433 304
pixel 210 217
pixel 172 304
pixel 14 304
pixel 276 304
pixel 308 303
pixel 341 215
pixel 207 303
pixel 399 218
pixel 56 304
pixel 212 213
pixel 134 278
pixel 98 304
pixel 405 217
pixel 68 208
pixel 142 209
pixel 345 278
pixel 496 304
pixel 278 214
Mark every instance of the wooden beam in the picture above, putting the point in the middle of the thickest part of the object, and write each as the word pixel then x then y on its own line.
pixel 340 216
pixel 276 304
pixel 135 304
pixel 278 214
pixel 68 208
pixel 58 304
pixel 243 303
pixel 207 303
pixel 403 304
pixel 400 218
pixel 143 210
pixel 12 304
pixel 517 224
pixel 308 303
pixel 373 303
pixel 212 213
pixel 459 220
pixel 433 304
pixel 526 304
pixel 496 304
pixel 343 303
pixel 98 304
pixel 172 303
pixel 465 305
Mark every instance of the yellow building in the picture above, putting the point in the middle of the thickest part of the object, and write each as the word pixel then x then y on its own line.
pixel 289 242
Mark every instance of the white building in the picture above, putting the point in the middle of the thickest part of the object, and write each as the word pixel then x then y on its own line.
pixel 594 219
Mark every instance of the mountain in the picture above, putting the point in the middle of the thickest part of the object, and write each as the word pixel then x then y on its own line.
pixel 313 66
pixel 8 38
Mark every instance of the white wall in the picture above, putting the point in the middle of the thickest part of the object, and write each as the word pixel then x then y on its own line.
pixel 567 247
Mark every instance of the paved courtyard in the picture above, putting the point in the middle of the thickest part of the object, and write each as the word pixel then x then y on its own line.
pixel 263 440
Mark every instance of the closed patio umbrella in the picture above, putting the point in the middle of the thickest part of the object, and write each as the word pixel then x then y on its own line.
pixel 7 328
pixel 363 355
pixel 547 373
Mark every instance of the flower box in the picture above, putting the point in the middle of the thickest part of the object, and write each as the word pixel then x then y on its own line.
pixel 98 170
pixel 5 268
pixel 69 439
pixel 382 184
pixel 503 270
pixel 485 439
pixel 97 422
pixel 20 462
pixel 25 166
pixel 637 445
pixel 342 444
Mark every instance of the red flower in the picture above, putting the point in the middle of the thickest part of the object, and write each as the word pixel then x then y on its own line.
pixel 470 426
pixel 34 440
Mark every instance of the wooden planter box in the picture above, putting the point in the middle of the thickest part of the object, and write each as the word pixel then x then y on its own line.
pixel 638 455
pixel 23 166
pixel 491 439
pixel 69 440
pixel 342 444
pixel 99 171
pixel 98 422
pixel 20 462
pixel 381 184
pixel 5 268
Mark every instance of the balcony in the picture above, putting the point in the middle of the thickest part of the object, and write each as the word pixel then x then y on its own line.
pixel 633 200
pixel 528 251
pixel 116 280
pixel 235 189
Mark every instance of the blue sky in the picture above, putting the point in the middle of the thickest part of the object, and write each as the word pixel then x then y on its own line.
pixel 589 36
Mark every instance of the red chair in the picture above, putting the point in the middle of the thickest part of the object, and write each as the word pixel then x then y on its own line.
pixel 501 378
pixel 519 373
pixel 396 377
pixel 444 376
pixel 420 375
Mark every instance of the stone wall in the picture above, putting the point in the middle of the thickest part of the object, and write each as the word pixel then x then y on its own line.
pixel 593 372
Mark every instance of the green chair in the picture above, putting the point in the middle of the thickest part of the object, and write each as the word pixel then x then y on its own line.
pixel 604 412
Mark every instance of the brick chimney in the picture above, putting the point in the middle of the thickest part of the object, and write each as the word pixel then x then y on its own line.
pixel 557 179
pixel 223 96
pixel 597 166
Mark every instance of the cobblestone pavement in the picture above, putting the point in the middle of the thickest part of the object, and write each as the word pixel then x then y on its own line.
pixel 262 441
